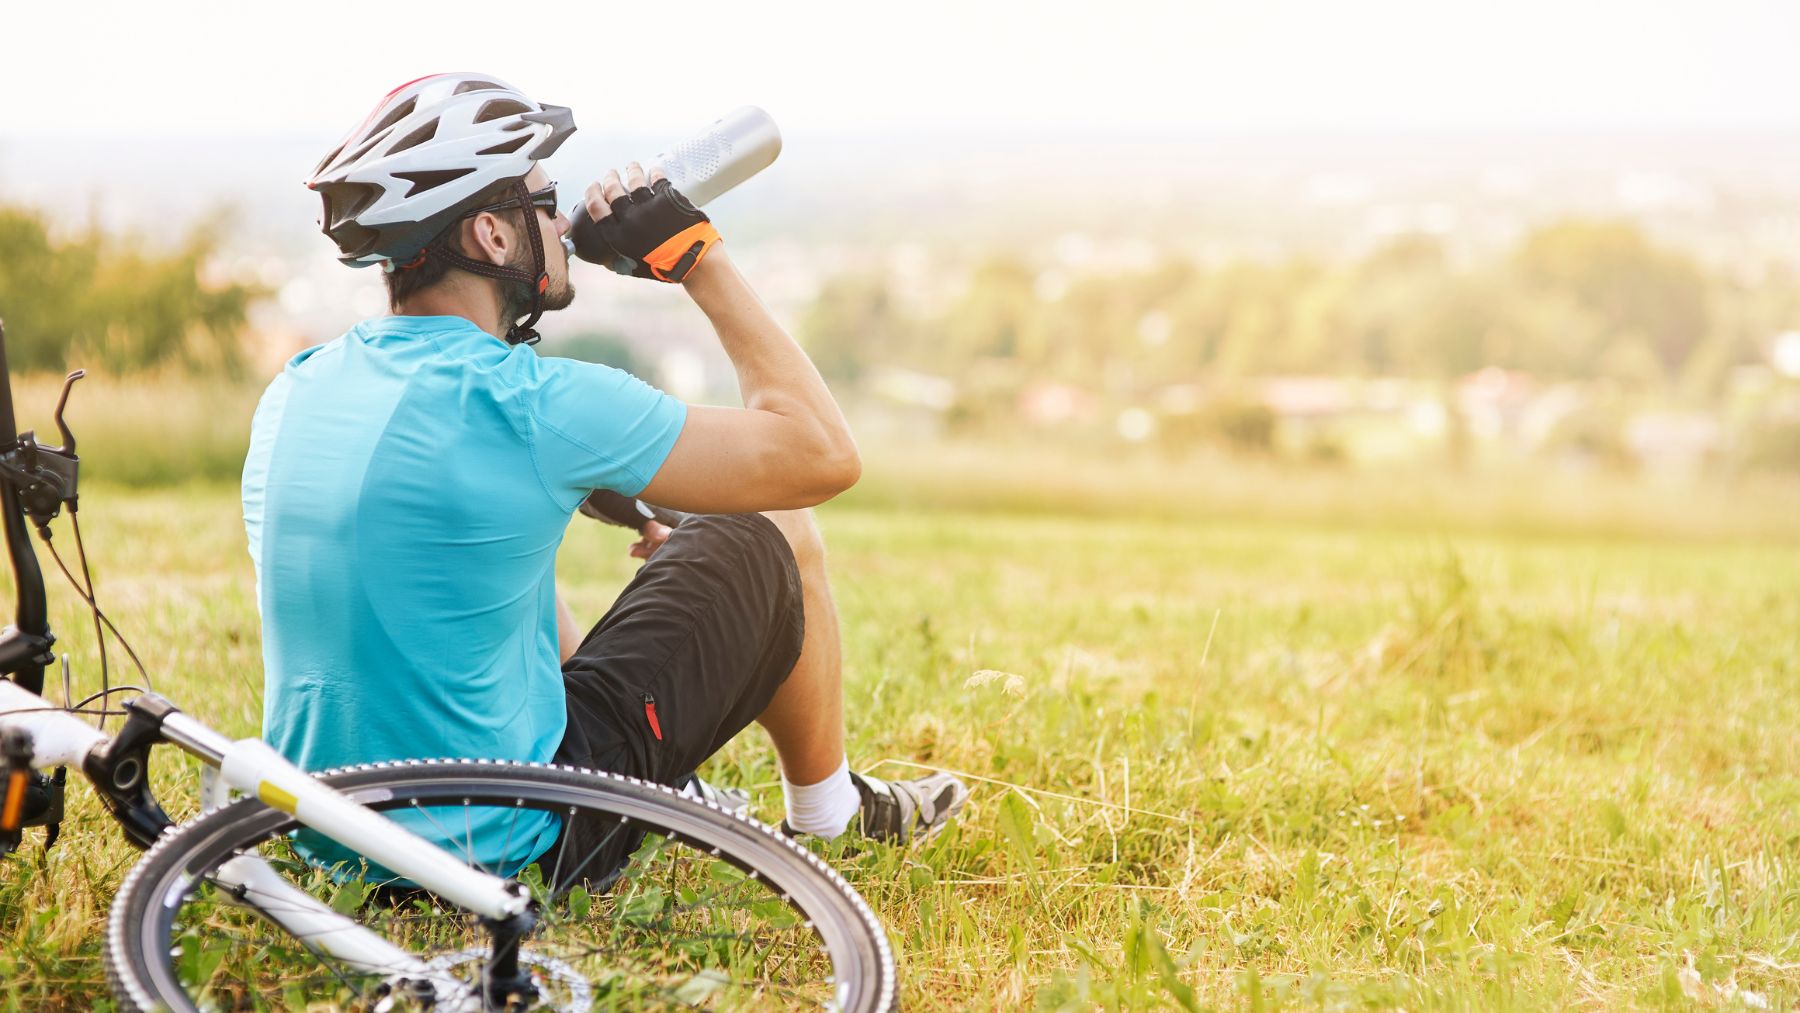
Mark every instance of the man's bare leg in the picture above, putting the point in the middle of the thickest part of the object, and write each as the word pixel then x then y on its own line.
pixel 806 717
pixel 806 720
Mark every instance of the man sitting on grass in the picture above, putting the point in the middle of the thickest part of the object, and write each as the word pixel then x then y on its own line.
pixel 409 483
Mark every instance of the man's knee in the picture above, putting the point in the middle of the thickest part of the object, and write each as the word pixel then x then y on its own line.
pixel 802 534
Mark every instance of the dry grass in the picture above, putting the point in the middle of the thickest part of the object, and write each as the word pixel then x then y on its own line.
pixel 1223 758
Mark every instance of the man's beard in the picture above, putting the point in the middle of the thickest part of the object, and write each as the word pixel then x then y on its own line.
pixel 515 296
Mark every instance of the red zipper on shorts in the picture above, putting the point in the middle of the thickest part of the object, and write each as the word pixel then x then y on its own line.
pixel 650 712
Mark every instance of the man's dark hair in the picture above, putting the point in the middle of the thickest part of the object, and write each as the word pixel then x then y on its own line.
pixel 403 284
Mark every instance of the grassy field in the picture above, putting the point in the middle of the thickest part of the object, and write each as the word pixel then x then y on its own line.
pixel 1228 752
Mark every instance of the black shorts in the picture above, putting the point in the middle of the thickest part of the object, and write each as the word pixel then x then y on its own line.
pixel 690 653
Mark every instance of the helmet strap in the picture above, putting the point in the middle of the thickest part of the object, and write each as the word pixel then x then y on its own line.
pixel 537 279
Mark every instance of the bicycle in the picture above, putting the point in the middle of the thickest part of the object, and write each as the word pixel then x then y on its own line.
pixel 224 911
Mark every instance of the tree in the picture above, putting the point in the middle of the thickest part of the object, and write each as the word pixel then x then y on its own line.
pixel 1634 291
pixel 999 316
pixel 94 299
pixel 854 323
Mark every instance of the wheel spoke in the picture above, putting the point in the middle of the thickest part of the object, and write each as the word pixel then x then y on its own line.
pixel 575 878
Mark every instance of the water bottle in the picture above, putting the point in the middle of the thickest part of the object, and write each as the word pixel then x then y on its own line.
pixel 738 145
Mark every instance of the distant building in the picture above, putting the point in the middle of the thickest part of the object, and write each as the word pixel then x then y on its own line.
pixel 1680 442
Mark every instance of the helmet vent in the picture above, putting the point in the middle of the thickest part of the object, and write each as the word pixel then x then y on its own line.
pixel 478 86
pixel 360 152
pixel 395 115
pixel 431 179
pixel 353 240
pixel 416 138
pixel 344 201
pixel 323 162
pixel 493 109
pixel 506 147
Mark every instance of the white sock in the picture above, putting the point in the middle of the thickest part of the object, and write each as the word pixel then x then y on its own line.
pixel 823 809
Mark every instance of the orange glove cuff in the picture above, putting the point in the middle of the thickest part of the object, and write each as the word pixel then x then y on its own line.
pixel 673 260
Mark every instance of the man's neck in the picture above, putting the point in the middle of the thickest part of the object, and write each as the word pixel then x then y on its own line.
pixel 476 302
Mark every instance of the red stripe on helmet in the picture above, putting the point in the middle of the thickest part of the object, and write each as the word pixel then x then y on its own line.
pixel 384 101
pixel 407 85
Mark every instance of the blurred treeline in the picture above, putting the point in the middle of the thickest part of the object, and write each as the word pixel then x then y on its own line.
pixel 159 329
pixel 1575 300
pixel 1593 306
pixel 1597 324
pixel 116 303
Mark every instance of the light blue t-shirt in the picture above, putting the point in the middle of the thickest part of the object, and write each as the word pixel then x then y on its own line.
pixel 405 493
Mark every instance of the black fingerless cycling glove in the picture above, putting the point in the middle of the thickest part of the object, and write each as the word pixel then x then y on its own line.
pixel 653 232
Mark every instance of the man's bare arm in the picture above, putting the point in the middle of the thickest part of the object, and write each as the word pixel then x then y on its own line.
pixel 789 446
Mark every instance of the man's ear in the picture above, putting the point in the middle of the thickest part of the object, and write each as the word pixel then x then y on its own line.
pixel 488 238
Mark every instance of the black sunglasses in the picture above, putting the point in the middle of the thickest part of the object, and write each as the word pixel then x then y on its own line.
pixel 545 198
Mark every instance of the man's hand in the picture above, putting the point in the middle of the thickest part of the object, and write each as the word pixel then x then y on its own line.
pixel 641 226
pixel 654 535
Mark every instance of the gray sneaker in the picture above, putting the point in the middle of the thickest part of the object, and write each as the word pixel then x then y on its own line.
pixel 898 812
pixel 901 811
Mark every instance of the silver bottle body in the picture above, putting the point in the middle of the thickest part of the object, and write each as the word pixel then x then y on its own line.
pixel 738 145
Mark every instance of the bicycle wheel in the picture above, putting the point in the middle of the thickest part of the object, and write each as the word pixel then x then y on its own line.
pixel 713 910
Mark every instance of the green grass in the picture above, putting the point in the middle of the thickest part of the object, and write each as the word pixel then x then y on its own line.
pixel 146 429
pixel 1230 752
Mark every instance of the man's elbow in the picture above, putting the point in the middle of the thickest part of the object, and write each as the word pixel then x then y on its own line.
pixel 834 468
pixel 847 469
pixel 797 476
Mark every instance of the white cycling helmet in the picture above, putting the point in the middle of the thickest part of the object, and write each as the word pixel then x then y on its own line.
pixel 419 156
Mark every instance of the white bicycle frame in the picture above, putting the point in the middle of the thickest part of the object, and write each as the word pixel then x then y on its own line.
pixel 59 739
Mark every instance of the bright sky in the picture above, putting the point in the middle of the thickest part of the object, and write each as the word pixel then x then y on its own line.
pixel 187 66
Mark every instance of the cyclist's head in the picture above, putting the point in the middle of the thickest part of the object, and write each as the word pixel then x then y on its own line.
pixel 462 236
pixel 402 183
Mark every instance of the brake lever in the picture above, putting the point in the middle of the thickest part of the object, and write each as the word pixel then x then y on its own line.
pixel 62 402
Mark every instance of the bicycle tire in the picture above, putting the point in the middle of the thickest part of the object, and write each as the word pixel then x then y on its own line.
pixel 142 950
